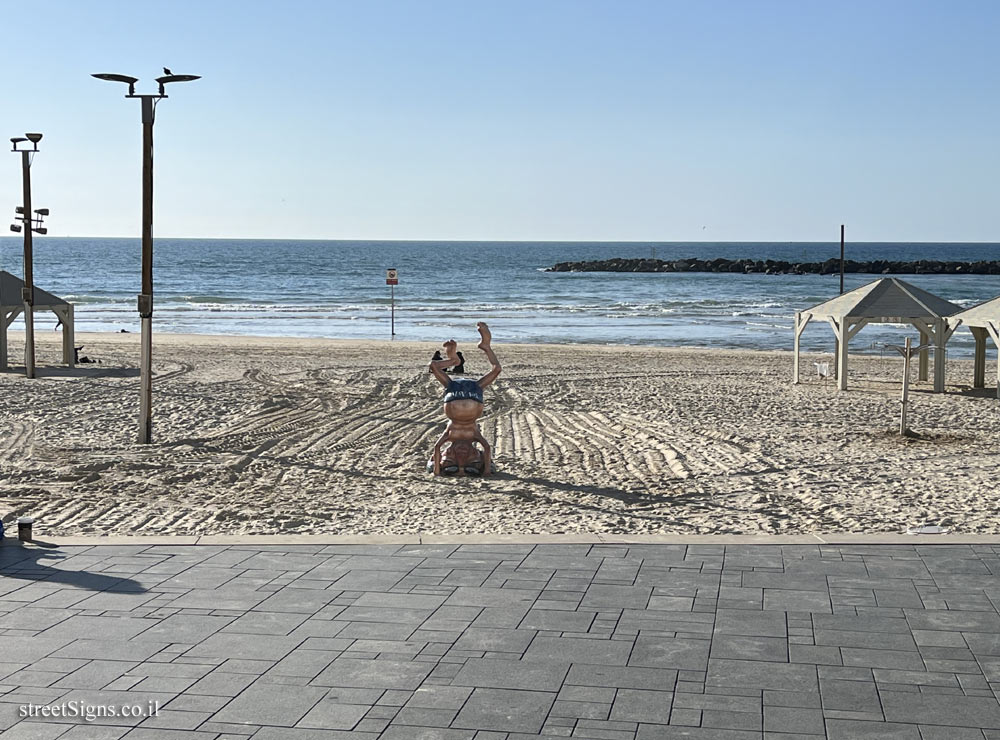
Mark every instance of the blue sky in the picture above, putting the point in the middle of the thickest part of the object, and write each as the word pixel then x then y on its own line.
pixel 537 120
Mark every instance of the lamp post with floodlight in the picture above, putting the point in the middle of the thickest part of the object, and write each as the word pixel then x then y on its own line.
pixel 30 222
pixel 145 303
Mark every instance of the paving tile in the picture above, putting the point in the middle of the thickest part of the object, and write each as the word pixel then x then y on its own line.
pixel 843 729
pixel 661 732
pixel 495 639
pixel 578 650
pixel 558 621
pixel 751 623
pixel 794 720
pixel 439 697
pixel 184 628
pixel 638 705
pixel 799 601
pixel 250 647
pixel 957 711
pixel 330 714
pixel 384 674
pixel 724 719
pixel 742 647
pixel 879 640
pixel 900 659
pixel 761 675
pixel 668 652
pixel 850 623
pixel 505 710
pixel 660 679
pixel 502 597
pixel 616 597
pixel 951 620
pixel 511 674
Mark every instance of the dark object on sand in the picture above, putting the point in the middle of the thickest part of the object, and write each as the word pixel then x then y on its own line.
pixel 436 357
pixel 459 369
pixel 81 360
pixel 124 331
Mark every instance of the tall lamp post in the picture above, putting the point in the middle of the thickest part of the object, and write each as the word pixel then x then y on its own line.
pixel 145 303
pixel 31 222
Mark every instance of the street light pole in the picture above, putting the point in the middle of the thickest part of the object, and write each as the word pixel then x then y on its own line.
pixel 145 298
pixel 28 225
pixel 29 279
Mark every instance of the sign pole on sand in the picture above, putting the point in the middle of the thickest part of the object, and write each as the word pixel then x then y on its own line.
pixel 392 280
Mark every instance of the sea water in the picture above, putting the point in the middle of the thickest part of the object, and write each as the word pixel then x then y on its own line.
pixel 337 289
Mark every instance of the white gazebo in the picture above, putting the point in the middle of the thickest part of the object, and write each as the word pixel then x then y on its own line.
pixel 11 306
pixel 984 322
pixel 884 301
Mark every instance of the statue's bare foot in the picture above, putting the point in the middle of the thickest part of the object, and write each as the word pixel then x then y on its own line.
pixel 484 332
pixel 451 349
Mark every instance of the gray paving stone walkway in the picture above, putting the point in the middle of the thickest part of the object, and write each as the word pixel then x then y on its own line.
pixel 501 642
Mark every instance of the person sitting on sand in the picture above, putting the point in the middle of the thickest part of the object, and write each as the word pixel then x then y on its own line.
pixel 455 451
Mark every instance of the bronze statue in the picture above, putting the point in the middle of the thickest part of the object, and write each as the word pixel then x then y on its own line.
pixel 455 452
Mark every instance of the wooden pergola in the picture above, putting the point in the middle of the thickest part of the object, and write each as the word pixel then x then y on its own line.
pixel 11 306
pixel 884 301
pixel 984 323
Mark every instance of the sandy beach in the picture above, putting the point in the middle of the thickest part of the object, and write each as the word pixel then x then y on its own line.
pixel 271 435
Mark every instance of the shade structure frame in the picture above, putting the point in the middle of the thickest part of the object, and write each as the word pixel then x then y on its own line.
pixel 883 301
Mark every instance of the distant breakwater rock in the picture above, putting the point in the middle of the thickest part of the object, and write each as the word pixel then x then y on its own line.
pixel 780 267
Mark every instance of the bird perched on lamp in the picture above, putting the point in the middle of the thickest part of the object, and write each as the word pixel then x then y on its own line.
pixel 167 71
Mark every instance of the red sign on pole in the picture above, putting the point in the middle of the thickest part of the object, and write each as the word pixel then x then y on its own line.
pixel 391 277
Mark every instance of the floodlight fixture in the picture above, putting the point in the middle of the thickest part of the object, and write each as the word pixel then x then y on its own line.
pixel 19 210
pixel 41 230
pixel 34 138
pixel 15 228
pixel 42 211
pixel 130 81
pixel 15 140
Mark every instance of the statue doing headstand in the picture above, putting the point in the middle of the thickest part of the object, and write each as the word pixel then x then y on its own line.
pixel 455 452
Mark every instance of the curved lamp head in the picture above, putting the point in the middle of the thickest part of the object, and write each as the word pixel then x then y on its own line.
pixel 34 138
pixel 167 79
pixel 130 81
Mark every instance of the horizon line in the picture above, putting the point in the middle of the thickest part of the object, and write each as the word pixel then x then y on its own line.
pixel 510 241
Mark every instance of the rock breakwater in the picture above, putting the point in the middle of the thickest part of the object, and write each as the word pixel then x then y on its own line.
pixel 779 267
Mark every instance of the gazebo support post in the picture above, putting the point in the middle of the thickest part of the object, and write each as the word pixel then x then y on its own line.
pixel 940 358
pixel 994 329
pixel 67 336
pixel 979 366
pixel 924 357
pixel 5 321
pixel 842 340
pixel 801 319
pixel 3 341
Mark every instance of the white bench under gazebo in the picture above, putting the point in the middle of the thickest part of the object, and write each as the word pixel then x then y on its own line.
pixel 984 323
pixel 884 301
pixel 11 306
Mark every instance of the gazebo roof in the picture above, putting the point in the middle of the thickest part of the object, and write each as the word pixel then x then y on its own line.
pixel 10 294
pixel 886 299
pixel 979 315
